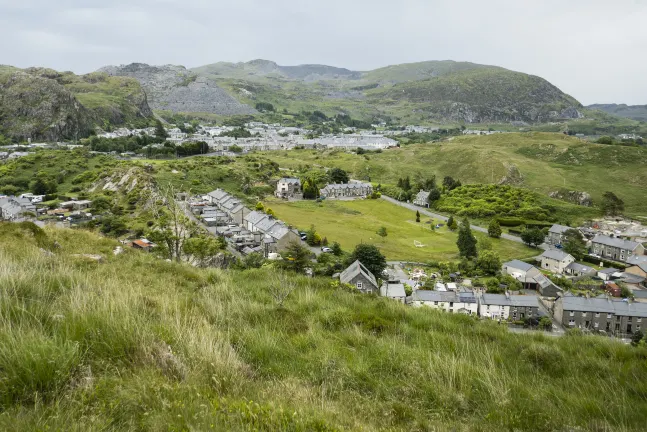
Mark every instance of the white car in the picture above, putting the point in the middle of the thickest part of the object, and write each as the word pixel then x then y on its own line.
pixel 326 250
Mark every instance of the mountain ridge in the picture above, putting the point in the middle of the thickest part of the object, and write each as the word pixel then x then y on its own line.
pixel 634 112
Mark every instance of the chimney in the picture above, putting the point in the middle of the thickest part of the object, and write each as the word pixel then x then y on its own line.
pixel 507 294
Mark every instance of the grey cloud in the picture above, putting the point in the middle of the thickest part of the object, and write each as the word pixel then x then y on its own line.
pixel 592 49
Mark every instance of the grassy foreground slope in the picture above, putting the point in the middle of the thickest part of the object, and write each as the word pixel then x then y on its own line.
pixel 547 161
pixel 136 343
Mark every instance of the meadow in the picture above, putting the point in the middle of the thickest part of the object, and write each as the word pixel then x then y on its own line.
pixel 547 161
pixel 136 343
pixel 354 222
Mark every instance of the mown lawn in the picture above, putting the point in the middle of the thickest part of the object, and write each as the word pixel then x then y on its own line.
pixel 354 222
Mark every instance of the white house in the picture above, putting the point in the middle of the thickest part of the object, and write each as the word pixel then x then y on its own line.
pixel 556 261
pixel 393 291
pixel 504 306
pixel 452 302
pixel 422 199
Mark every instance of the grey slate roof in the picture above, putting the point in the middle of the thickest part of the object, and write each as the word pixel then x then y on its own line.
pixel 392 290
pixel 580 268
pixel 346 186
pixel 290 180
pixel 631 278
pixel 254 217
pixel 637 259
pixel 640 294
pixel 218 194
pixel 622 308
pixel 513 300
pixel 609 271
pixel 435 296
pixel 615 242
pixel 555 254
pixel 519 265
pixel 266 224
pixel 558 229
pixel 355 269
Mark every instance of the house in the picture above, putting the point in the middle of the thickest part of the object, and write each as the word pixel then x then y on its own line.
pixel 555 260
pixel 633 280
pixel 507 306
pixel 394 291
pixel 638 269
pixel 640 295
pixel 236 211
pixel 143 244
pixel 618 317
pixel 252 219
pixel 556 234
pixel 545 287
pixel 282 236
pixel 422 199
pixel 359 276
pixel 614 248
pixel 608 274
pixel 14 208
pixel 452 302
pixel 215 197
pixel 531 278
pixel 637 259
pixel 348 190
pixel 287 188
pixel 579 270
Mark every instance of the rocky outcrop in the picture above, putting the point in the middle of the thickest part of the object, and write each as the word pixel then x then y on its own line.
pixel 176 89
pixel 513 177
pixel 575 197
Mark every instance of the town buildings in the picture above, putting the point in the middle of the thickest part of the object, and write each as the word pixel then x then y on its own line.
pixel 556 261
pixel 616 249
pixel 289 188
pixel 507 306
pixel 346 190
pixel 448 301
pixel 556 234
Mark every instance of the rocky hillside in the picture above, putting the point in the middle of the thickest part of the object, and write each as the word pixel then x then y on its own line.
pixel 43 104
pixel 438 91
pixel 176 89
pixel 634 112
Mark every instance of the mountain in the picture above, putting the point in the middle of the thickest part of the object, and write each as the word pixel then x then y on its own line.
pixel 634 112
pixel 43 104
pixel 176 89
pixel 442 91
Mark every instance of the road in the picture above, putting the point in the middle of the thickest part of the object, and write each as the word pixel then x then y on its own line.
pixel 425 212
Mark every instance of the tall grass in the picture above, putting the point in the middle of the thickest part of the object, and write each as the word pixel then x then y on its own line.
pixel 140 344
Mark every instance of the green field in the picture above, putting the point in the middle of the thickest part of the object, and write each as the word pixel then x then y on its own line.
pixel 354 222
pixel 547 161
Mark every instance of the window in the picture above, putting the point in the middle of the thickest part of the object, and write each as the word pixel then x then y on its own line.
pixel 583 314
pixel 451 304
pixel 597 314
pixel 609 315
pixel 359 285
pixel 639 319
pixel 435 303
pixel 571 313
pixel 571 323
pixel 596 325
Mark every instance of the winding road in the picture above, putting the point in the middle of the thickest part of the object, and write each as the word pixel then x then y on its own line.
pixel 425 212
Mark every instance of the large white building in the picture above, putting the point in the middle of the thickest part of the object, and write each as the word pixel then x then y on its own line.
pixel 451 302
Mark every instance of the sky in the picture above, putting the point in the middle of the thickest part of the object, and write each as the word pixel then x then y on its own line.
pixel 594 50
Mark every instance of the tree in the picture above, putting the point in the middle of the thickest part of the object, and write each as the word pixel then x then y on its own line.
pixel 43 184
pixel 296 257
pixel 371 257
pixel 574 244
pixel 382 232
pixel 611 204
pixel 280 289
pixel 637 337
pixel 489 262
pixel 338 175
pixel 417 216
pixel 533 236
pixel 259 207
pixel 545 323
pixel 605 140
pixel 270 212
pixel 451 224
pixel 434 195
pixel 336 249
pixel 312 238
pixel 466 241
pixel 450 184
pixel 264 106
pixel 160 132
pixel 494 229
pixel 310 189
pixel 203 249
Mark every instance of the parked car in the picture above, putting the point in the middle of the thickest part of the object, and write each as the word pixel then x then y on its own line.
pixel 326 250
pixel 304 237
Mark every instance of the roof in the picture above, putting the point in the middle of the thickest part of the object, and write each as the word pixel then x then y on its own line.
pixel 609 271
pixel 510 300
pixel 255 217
pixel 347 186
pixel 218 194
pixel 641 294
pixel 559 229
pixel 631 278
pixel 393 290
pixel 435 296
pixel 422 196
pixel 637 259
pixel 642 266
pixel 290 180
pixel 354 270
pixel 278 231
pixel 622 308
pixel 580 268
pixel 266 224
pixel 615 242
pixel 556 254
pixel 519 265
pixel 143 243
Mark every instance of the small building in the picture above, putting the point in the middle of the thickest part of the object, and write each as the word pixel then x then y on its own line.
pixel 608 274
pixel 556 234
pixel 359 276
pixel 422 199
pixel 289 188
pixel 506 306
pixel 76 205
pixel 451 302
pixel 579 270
pixel 556 261
pixel 531 278
pixel 616 249
pixel 143 244
pixel 393 291
pixel 346 190
pixel 638 269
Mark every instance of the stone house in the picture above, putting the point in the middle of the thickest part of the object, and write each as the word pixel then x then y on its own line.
pixel 618 317
pixel 531 278
pixel 359 276
pixel 346 190
pixel 289 188
pixel 422 199
pixel 638 270
pixel 616 249
pixel 556 234
pixel 393 291
pixel 448 301
pixel 556 261
pixel 507 306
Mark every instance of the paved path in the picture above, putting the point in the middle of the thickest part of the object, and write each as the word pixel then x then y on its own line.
pixel 425 212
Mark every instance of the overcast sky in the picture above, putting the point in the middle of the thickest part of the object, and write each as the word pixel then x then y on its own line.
pixel 595 50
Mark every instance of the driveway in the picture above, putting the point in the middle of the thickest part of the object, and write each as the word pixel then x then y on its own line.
pixel 426 212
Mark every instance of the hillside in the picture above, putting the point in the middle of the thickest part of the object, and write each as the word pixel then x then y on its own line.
pixel 176 89
pixel 43 104
pixel 547 162
pixel 136 343
pixel 634 112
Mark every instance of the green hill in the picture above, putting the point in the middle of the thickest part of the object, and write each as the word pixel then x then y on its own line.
pixel 548 163
pixel 634 112
pixel 137 343
pixel 43 104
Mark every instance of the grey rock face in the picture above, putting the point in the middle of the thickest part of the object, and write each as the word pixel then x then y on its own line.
pixel 176 89
pixel 575 197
